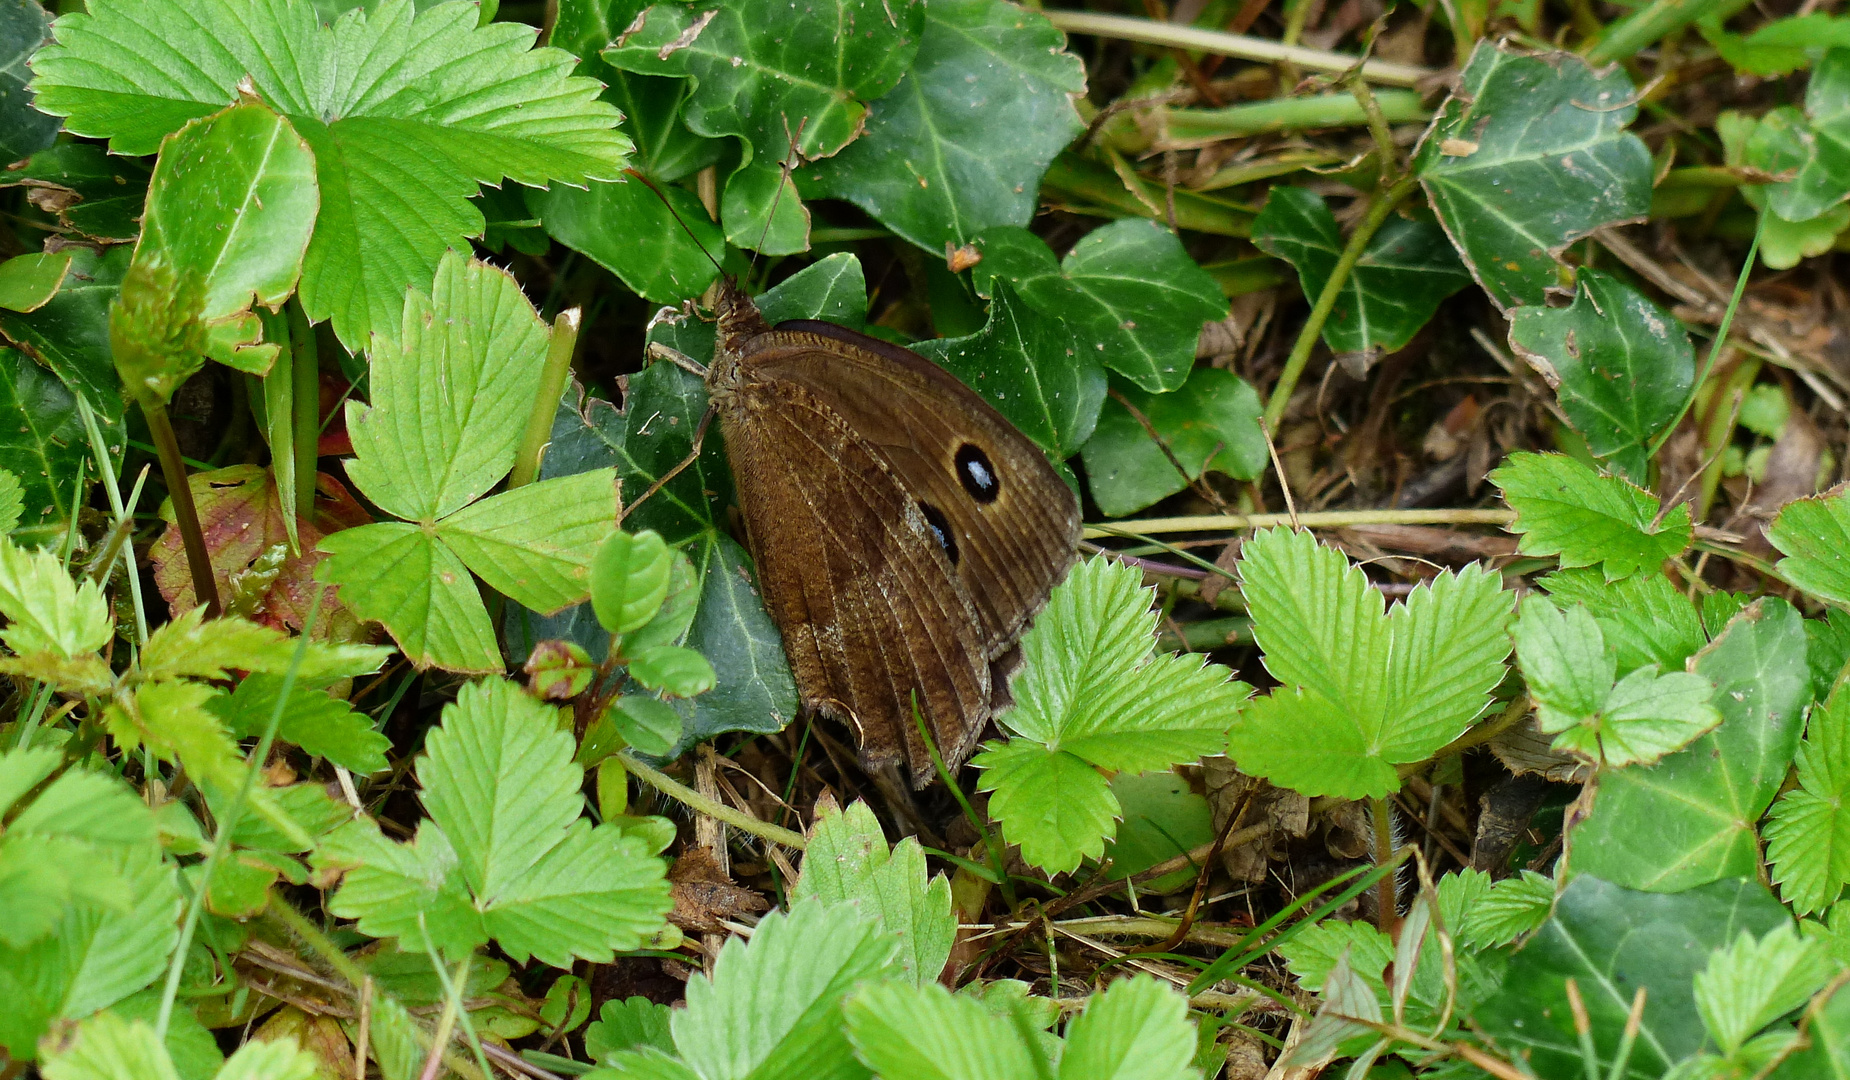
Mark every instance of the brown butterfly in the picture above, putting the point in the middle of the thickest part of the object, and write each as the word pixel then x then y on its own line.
pixel 905 532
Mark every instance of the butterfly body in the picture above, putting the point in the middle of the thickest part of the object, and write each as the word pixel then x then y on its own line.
pixel 905 533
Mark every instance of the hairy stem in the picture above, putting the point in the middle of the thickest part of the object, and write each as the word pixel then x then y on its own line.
pixel 1387 893
pixel 694 800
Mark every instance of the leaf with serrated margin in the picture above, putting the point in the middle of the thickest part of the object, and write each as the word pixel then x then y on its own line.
pixel 46 610
pixel 1644 618
pixel 928 1033
pixel 932 165
pixel 1808 836
pixel 1814 535
pixel 1529 154
pixel 315 720
pixel 1620 365
pixel 534 544
pixel 1750 983
pixel 189 646
pixel 1051 803
pixel 1135 1029
pixel 1565 509
pixel 412 891
pixel 1405 271
pixel 59 850
pixel 396 574
pixel 407 113
pixel 848 859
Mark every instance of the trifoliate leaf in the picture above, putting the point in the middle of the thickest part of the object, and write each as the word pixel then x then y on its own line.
pixel 534 544
pixel 1814 535
pixel 1620 365
pixel 1644 618
pixel 1529 154
pixel 1137 1029
pixel 1362 689
pixel 848 860
pixel 407 113
pixel 396 574
pixel 630 1024
pixel 172 720
pixel 1808 836
pixel 773 1005
pixel 928 1033
pixel 629 580
pixel 1750 983
pixel 1393 290
pixel 1565 662
pixel 46 611
pixel 932 166
pixel 1565 509
pixel 504 845
pixel 313 719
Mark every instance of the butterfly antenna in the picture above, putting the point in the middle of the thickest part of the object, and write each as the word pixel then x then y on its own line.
pixel 693 455
pixel 673 213
pixel 789 164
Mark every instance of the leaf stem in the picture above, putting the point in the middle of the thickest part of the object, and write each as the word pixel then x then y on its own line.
pixel 1378 211
pixel 305 405
pixel 284 914
pixel 563 342
pixel 1721 339
pixel 185 513
pixel 687 796
pixel 1387 891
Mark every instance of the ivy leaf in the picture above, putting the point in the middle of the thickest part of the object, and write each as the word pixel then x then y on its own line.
pixel 1620 365
pixel 23 130
pixel 931 165
pixel 424 107
pixel 629 230
pixel 832 289
pixel 848 860
pixel 12 501
pixel 504 853
pixel 1030 367
pixel 1129 290
pixel 1527 156
pixel 46 611
pixel 1565 509
pixel 1394 289
pixel 316 721
pixel 70 334
pixel 1750 983
pixel 1362 690
pixel 95 194
pixel 28 282
pixel 1808 836
pixel 1093 695
pixel 43 438
pixel 928 1033
pixel 1814 535
pixel 1683 822
pixel 1210 422
pixel 1824 132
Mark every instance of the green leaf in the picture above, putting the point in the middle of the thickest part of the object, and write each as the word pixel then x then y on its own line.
pixel 12 501
pixel 534 544
pixel 232 202
pixel 926 1032
pixel 28 282
pixel 1129 290
pixel 1162 818
pixel 1644 618
pixel 42 437
pixel 70 334
pixel 1684 821
pixel 1751 983
pixel 629 1024
pixel 1621 366
pixel 628 230
pixel 58 851
pixel 848 860
pixel 1051 803
pixel 932 165
pixel 1211 422
pixel 1514 906
pixel 773 1006
pixel 1814 535
pixel 1827 650
pixel 762 210
pixel 629 580
pixel 671 621
pixel 24 27
pixel 46 610
pixel 1136 1029
pixel 1529 154
pixel 424 109
pixel 190 647
pixel 1362 689
pixel 1823 179
pixel 832 289
pixel 1829 1052
pixel 316 721
pixel 648 724
pixel 1563 508
pixel 1030 367
pixel 396 574
pixel 654 434
pixel 755 690
pixel 1407 268
pixel 673 670
pixel 468 356
pixel 1611 941
pixel 1808 836
pixel 505 839
pixel 107 1047
pixel 96 194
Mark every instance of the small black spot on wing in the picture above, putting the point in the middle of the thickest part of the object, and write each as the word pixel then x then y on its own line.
pixel 978 475
pixel 940 530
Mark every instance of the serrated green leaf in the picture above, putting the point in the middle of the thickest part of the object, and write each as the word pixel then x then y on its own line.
pixel 1136 1029
pixel 630 231
pixel 191 647
pixel 629 580
pixel 1051 803
pixel 1362 689
pixel 316 721
pixel 931 165
pixel 1564 661
pixel 534 544
pixel 424 108
pixel 63 848
pixel 1529 154
pixel 1395 287
pixel 651 105
pixel 1749 983
pixel 45 609
pixel 172 721
pixel 1683 821
pixel 1823 163
pixel 848 860
pixel 28 282
pixel 396 574
pixel 42 437
pixel 1808 835
pixel 1814 535
pixel 1565 509
pixel 648 724
pixel 1621 366
pixel 107 1047
pixel 927 1033
pixel 1030 367
pixel 630 1024
pixel 1211 422
pixel 1827 650
pixel 774 1006
pixel 412 892
pixel 1515 906
pixel 1644 618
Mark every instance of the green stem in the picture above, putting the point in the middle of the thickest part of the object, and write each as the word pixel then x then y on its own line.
pixel 305 418
pixel 1377 128
pixel 1378 212
pixel 564 341
pixel 99 448
pixel 687 796
pixel 185 514
pixel 1721 339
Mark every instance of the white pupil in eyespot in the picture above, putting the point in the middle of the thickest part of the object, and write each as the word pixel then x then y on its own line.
pixel 979 474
